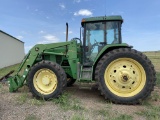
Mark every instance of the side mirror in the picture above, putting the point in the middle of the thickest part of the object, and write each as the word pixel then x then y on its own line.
pixel 81 32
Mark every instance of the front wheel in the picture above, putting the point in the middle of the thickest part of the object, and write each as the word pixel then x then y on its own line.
pixel 46 80
pixel 125 76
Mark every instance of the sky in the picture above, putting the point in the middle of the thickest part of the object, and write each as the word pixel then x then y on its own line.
pixel 44 21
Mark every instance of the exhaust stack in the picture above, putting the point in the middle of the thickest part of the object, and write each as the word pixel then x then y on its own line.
pixel 66 32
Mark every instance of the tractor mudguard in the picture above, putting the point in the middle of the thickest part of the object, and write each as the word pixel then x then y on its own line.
pixel 111 46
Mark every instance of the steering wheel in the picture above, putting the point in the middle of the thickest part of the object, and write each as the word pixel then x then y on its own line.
pixel 92 46
pixel 95 43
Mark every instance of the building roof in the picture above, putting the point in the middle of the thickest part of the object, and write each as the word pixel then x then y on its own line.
pixel 11 36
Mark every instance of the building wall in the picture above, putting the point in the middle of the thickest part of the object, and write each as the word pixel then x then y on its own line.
pixel 11 50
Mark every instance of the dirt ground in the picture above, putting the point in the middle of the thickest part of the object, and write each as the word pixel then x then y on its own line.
pixel 90 106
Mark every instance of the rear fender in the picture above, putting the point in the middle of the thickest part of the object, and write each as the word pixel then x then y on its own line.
pixel 107 48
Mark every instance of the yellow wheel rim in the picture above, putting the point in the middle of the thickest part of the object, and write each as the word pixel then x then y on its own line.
pixel 45 81
pixel 125 77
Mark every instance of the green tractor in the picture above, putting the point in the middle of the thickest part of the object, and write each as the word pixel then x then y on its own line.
pixel 123 75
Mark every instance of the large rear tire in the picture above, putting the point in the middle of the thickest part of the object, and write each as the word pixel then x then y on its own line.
pixel 47 80
pixel 125 76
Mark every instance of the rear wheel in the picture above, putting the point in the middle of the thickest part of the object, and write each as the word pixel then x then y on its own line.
pixel 46 79
pixel 125 76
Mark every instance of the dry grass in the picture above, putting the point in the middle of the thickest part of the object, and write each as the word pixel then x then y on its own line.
pixel 154 56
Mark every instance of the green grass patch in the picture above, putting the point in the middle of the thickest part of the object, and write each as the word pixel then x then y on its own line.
pixel 31 117
pixel 21 99
pixel 155 96
pixel 63 100
pixel 123 117
pixel 158 79
pixel 146 102
pixel 151 113
pixel 108 114
pixel 76 105
pixel 36 102
pixel 104 113
pixel 0 85
pixel 77 117
pixel 66 102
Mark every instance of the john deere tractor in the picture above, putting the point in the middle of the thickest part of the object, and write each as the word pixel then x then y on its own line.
pixel 123 75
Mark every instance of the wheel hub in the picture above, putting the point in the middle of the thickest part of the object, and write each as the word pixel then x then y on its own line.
pixel 125 78
pixel 46 80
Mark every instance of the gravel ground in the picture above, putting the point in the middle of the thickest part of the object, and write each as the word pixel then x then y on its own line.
pixel 22 106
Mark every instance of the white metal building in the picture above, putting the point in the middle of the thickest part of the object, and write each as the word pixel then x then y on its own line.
pixel 11 50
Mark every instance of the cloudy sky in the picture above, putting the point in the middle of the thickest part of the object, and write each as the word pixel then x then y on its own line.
pixel 43 21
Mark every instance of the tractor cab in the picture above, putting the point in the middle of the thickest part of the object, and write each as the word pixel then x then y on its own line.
pixel 98 32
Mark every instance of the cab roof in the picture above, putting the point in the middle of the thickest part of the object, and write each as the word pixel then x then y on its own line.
pixel 102 18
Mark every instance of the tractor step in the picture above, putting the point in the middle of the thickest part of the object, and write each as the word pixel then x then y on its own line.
pixel 86 74
pixel 85 80
pixel 86 70
pixel 85 85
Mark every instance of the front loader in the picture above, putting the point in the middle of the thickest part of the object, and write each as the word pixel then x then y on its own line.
pixel 123 75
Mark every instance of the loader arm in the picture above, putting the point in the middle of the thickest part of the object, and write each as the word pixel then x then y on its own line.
pixel 18 80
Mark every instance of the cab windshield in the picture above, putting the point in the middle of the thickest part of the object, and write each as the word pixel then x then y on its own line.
pixel 99 34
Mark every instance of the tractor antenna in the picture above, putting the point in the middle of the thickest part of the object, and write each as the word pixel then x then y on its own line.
pixel 105 9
